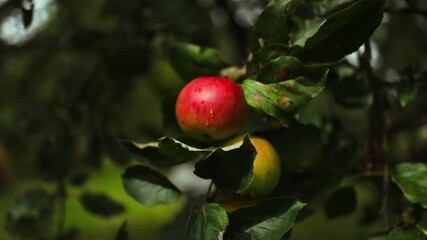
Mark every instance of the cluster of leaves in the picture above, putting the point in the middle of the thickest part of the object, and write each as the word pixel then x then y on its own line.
pixel 290 55
pixel 63 98
pixel 230 168
pixel 294 51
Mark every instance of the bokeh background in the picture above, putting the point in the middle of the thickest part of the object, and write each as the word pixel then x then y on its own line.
pixel 77 75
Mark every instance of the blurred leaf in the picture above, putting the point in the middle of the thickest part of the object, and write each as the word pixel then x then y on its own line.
pixel 165 78
pixel 71 234
pixel 411 178
pixel 229 167
pixel 32 215
pixel 350 91
pixel 406 233
pixel 269 219
pixel 299 146
pixel 280 99
pixel 207 222
pixel 345 31
pixel 191 61
pixel 101 204
pixel 406 92
pixel 117 153
pixel 27 8
pixel 402 233
pixel 79 178
pixel 165 153
pixel 123 234
pixel 270 27
pixel 149 187
pixel 341 202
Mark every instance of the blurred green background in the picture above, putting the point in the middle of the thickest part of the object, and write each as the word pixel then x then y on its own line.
pixel 77 75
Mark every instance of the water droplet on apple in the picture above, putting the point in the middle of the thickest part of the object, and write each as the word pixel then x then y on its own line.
pixel 211 114
pixel 207 124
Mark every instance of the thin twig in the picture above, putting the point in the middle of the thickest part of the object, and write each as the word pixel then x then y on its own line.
pixel 210 193
pixel 385 200
pixel 377 130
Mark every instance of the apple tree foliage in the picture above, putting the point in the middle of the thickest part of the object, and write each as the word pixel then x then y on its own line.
pixel 296 51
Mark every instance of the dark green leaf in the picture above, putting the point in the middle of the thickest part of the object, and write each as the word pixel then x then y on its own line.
pixel 264 55
pixel 207 222
pixel 406 233
pixel 299 146
pixel 304 17
pixel 165 153
pixel 341 202
pixel 351 91
pixel 149 187
pixel 269 219
pixel 402 233
pixel 71 234
pixel 100 204
pixel 281 98
pixel 123 234
pixel 191 61
pixel 287 67
pixel 412 179
pixel 229 167
pixel 79 178
pixel 345 31
pixel 270 26
pixel 32 215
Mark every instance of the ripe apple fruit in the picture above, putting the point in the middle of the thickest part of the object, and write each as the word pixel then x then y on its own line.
pixel 211 108
pixel 267 168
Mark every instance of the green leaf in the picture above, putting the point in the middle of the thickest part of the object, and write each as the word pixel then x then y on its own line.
pixel 412 180
pixel 165 153
pixel 270 26
pixel 406 92
pixel 123 234
pixel 149 187
pixel 341 202
pixel 281 98
pixel 264 55
pixel 100 204
pixel 406 233
pixel 207 222
pixel 304 17
pixel 191 61
pixel 287 67
pixel 229 167
pixel 269 219
pixel 345 31
pixel 402 233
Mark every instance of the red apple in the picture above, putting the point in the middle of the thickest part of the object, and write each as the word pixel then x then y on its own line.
pixel 211 108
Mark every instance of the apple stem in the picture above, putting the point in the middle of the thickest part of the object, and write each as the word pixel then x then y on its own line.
pixel 211 193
